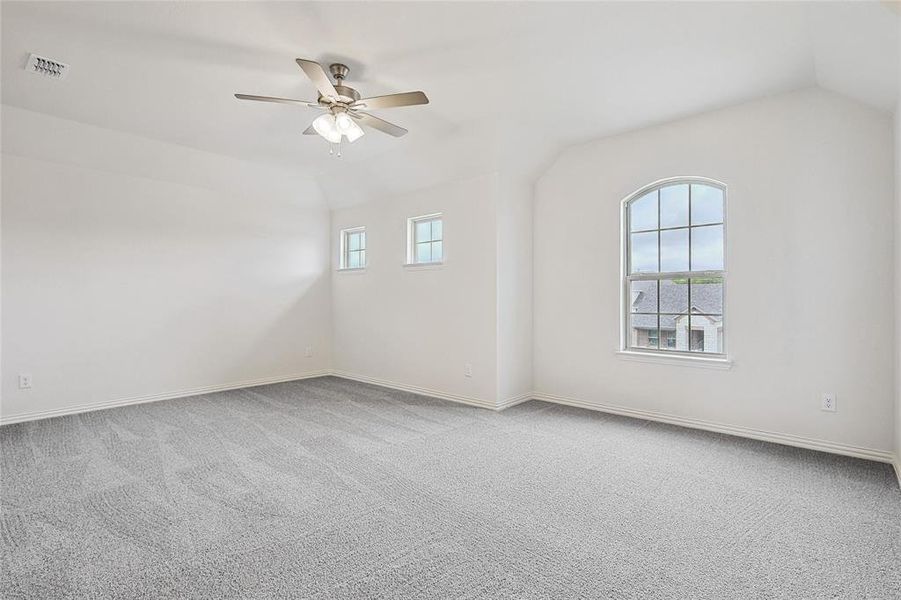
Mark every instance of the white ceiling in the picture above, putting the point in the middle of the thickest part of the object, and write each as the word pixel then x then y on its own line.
pixel 510 84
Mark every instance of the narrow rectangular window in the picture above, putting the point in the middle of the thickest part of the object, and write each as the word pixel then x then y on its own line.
pixel 353 248
pixel 674 268
pixel 425 239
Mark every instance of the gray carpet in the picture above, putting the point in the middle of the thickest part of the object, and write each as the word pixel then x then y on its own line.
pixel 327 488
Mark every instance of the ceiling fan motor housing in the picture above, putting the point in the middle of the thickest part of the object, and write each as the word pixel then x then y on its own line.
pixel 346 94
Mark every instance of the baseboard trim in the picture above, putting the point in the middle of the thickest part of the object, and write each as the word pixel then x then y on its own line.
pixel 82 408
pixel 432 393
pixel 470 400
pixel 745 432
pixel 504 404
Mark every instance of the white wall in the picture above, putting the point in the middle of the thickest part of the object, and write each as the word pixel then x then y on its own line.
pixel 898 270
pixel 418 327
pixel 898 275
pixel 809 298
pixel 131 267
pixel 514 290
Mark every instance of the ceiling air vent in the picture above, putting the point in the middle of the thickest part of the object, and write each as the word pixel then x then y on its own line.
pixel 46 67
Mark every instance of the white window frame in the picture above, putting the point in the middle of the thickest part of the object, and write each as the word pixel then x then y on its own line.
pixel 677 356
pixel 344 249
pixel 412 241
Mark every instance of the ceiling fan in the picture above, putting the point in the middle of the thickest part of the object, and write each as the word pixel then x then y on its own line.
pixel 343 105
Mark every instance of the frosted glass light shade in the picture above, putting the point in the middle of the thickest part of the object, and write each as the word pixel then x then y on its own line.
pixel 325 126
pixel 343 122
pixel 354 132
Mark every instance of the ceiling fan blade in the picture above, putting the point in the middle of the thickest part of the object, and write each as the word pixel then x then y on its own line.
pixel 317 75
pixel 272 99
pixel 392 100
pixel 309 131
pixel 377 123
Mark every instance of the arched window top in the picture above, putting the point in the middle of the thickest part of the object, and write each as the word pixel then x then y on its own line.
pixel 674 266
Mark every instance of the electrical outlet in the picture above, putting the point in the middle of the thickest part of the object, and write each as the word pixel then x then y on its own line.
pixel 827 402
pixel 309 352
pixel 24 381
pixel 467 370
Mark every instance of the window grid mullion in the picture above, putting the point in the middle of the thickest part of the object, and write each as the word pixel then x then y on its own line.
pixel 659 263
pixel 658 322
pixel 688 343
pixel 676 275
pixel 658 310
pixel 675 314
pixel 676 227
pixel 690 265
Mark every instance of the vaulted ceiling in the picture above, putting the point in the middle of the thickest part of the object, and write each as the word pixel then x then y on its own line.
pixel 510 83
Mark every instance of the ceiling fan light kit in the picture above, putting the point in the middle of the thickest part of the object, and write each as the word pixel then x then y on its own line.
pixel 343 105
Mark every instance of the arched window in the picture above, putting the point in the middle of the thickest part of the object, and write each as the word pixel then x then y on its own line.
pixel 674 267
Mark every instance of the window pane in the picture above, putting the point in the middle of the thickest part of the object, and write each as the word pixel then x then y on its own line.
pixel 423 231
pixel 674 206
pixel 674 250
pixel 353 260
pixel 706 204
pixel 423 252
pixel 668 335
pixel 707 248
pixel 674 332
pixel 437 250
pixel 707 295
pixel 353 241
pixel 706 334
pixel 644 252
pixel 643 332
pixel 643 296
pixel 437 226
pixel 362 258
pixel 363 240
pixel 643 212
pixel 674 296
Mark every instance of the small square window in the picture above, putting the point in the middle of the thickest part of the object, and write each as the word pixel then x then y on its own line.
pixel 353 248
pixel 425 239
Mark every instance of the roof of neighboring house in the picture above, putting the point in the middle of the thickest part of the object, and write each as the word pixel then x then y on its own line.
pixel 705 298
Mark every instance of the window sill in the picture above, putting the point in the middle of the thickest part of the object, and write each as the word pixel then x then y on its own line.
pixel 352 270
pixel 424 266
pixel 703 362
